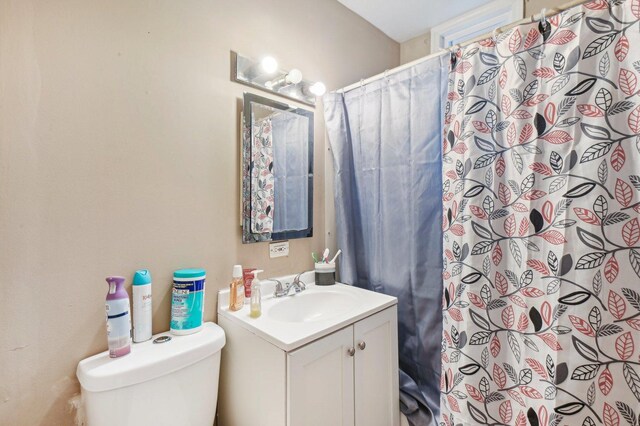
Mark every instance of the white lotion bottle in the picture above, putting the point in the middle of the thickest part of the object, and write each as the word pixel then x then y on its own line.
pixel 142 306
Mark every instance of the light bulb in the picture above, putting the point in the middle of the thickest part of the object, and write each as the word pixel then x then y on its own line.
pixel 293 77
pixel 318 88
pixel 269 64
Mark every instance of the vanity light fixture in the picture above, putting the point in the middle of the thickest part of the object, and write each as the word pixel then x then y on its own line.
pixel 266 74
pixel 269 64
pixel 318 88
pixel 293 77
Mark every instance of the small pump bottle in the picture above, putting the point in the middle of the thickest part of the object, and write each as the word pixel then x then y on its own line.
pixel 256 295
pixel 236 290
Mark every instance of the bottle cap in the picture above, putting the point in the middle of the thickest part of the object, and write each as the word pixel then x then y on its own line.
pixel 142 277
pixel 116 288
pixel 190 273
pixel 237 271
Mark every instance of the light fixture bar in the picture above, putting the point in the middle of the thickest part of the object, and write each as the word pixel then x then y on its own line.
pixel 266 75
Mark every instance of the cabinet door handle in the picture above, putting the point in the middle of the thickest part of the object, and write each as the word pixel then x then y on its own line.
pixel 362 345
pixel 351 351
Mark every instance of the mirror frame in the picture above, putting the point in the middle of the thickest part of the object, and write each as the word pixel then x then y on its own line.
pixel 245 155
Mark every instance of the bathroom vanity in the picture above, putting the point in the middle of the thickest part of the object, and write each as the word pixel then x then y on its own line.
pixel 325 356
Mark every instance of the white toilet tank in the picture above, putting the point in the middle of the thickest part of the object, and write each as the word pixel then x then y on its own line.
pixel 170 383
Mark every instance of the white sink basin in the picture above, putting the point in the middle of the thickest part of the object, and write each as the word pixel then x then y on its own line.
pixel 292 321
pixel 312 306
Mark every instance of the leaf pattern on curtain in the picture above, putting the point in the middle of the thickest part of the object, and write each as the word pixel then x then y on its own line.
pixel 262 178
pixel 541 233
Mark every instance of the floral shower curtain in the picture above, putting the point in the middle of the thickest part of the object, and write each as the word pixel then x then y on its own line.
pixel 541 232
pixel 262 177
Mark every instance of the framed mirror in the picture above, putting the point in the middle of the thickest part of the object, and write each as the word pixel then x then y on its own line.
pixel 277 170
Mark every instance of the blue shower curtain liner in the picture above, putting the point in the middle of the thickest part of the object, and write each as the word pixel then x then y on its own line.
pixel 386 140
pixel 291 172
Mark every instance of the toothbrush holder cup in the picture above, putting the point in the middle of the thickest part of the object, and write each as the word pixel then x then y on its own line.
pixel 325 273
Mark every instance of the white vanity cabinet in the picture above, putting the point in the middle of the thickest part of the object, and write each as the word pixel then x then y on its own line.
pixel 342 371
pixel 320 382
pixel 347 378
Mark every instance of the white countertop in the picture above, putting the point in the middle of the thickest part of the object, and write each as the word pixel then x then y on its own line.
pixel 288 335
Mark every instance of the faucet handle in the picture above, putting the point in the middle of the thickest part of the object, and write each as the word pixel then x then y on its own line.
pixel 299 284
pixel 279 288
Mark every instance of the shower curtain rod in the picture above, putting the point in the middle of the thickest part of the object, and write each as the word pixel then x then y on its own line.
pixel 533 18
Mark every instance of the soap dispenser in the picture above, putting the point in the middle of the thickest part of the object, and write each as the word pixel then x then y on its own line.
pixel 256 295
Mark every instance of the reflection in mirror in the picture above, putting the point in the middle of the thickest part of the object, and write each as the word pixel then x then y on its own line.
pixel 277 165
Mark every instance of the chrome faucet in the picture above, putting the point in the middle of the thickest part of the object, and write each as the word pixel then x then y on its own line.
pixel 296 284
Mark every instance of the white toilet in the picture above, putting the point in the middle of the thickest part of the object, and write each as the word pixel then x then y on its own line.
pixel 170 383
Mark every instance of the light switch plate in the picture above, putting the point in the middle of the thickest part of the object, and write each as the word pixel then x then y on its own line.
pixel 280 249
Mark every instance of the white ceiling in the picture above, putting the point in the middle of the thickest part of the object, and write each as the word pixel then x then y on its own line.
pixel 404 19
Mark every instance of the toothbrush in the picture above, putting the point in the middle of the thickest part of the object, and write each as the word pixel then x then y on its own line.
pixel 325 255
pixel 338 253
pixel 315 257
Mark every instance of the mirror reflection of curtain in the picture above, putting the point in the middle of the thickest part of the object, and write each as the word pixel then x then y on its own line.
pixel 291 171
pixel 386 142
pixel 262 179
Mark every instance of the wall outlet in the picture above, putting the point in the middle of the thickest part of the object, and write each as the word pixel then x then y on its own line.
pixel 279 249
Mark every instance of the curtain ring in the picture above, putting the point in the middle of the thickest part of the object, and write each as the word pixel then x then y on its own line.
pixel 543 17
pixel 362 83
pixel 455 51
pixel 494 35
pixel 386 74
pixel 544 27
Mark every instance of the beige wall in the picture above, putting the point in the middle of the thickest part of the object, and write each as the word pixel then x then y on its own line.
pixel 532 7
pixel 119 150
pixel 415 48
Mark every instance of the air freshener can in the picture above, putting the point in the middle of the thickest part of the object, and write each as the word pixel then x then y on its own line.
pixel 142 306
pixel 118 318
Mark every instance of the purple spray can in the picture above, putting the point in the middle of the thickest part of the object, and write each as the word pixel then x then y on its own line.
pixel 118 318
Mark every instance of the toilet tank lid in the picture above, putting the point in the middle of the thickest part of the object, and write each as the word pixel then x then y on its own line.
pixel 149 360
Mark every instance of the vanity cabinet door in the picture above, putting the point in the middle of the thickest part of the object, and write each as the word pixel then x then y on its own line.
pixel 320 382
pixel 376 370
